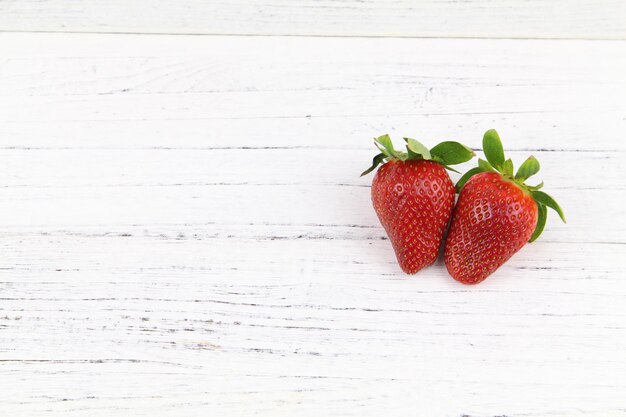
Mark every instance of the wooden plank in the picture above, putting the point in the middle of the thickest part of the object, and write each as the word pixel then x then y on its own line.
pixel 578 19
pixel 196 92
pixel 297 187
pixel 217 329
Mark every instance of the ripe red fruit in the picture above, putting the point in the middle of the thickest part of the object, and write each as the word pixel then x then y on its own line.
pixel 493 219
pixel 413 197
pixel 413 201
pixel 496 214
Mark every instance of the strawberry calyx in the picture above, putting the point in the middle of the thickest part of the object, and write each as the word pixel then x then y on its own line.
pixel 494 152
pixel 446 153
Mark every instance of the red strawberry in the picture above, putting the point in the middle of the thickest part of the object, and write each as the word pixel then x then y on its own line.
pixel 413 197
pixel 497 213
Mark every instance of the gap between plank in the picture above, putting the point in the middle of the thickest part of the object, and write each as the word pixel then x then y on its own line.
pixel 287 35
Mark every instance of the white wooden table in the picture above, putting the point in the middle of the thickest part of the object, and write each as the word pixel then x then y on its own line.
pixel 184 232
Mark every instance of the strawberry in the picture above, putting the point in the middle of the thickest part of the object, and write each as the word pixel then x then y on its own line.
pixel 413 197
pixel 496 214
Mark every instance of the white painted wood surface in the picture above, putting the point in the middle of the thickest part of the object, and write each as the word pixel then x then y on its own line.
pixel 577 19
pixel 183 229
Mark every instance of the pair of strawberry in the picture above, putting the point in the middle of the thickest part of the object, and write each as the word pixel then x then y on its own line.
pixel 495 215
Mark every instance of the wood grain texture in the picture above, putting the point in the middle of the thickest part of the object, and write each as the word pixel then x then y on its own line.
pixel 578 19
pixel 183 229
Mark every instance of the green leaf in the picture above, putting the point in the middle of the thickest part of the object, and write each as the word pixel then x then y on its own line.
pixel 492 147
pixel 507 168
pixel 417 148
pixel 412 155
pixel 403 156
pixel 452 153
pixel 385 145
pixel 484 165
pixel 383 150
pixel 449 168
pixel 543 198
pixel 466 177
pixel 542 214
pixel 436 159
pixel 535 187
pixel 378 159
pixel 529 168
